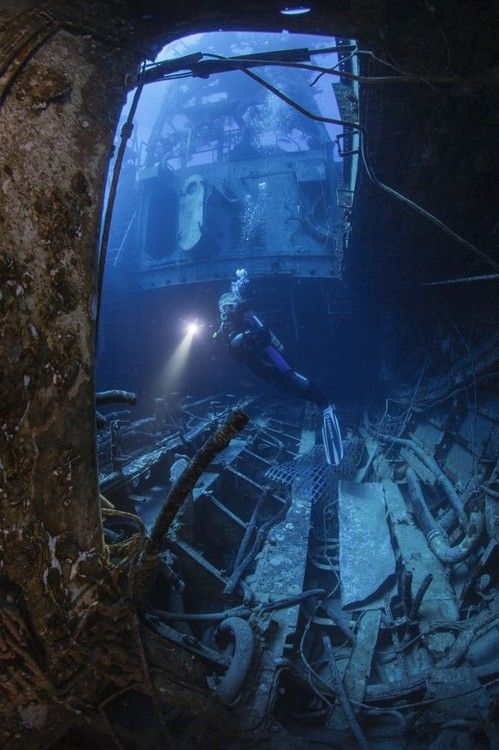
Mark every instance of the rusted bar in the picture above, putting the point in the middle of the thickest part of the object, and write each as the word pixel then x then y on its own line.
pixel 244 477
pixel 186 481
pixel 250 529
pixel 245 561
pixel 407 592
pixel 113 512
pixel 343 698
pixel 433 466
pixel 116 397
pixel 100 420
pixel 257 456
pixel 105 503
pixel 434 536
pixel 296 438
pixel 244 647
pixel 176 496
pixel 289 601
pixel 485 559
pixel 419 596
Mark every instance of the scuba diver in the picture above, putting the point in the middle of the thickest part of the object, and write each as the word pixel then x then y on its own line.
pixel 250 342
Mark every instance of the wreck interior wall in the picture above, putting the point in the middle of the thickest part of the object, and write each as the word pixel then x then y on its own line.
pixel 49 224
pixel 436 145
pixel 57 122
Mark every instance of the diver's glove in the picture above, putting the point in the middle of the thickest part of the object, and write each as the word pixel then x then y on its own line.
pixel 258 339
pixel 331 436
pixel 223 332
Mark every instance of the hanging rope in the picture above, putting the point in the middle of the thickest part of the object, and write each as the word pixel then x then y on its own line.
pixel 369 170
pixel 126 132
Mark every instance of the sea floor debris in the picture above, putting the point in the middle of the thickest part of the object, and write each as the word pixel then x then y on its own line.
pixel 261 582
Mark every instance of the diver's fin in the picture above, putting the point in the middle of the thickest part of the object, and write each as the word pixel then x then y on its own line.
pixel 331 436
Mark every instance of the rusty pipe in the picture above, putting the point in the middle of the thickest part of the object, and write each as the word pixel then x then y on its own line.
pixel 244 647
pixel 116 397
pixel 434 537
pixel 435 469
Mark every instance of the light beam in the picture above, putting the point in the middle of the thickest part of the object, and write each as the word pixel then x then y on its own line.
pixel 175 366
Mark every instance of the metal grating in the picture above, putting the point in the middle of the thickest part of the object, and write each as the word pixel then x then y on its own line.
pixel 311 468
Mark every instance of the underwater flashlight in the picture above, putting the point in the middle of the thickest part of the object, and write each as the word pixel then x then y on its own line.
pixel 193 327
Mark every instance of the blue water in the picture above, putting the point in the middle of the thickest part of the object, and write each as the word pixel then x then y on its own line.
pixel 249 148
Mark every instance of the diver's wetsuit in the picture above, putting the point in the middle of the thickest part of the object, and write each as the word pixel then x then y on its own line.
pixel 250 342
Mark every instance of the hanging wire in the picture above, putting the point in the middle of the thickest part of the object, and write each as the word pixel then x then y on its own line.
pixel 328 691
pixel 241 62
pixel 338 691
pixel 471 407
pixel 462 280
pixel 369 170
pixel 128 127
pixel 126 132
pixel 334 68
pixel 430 701
pixel 407 416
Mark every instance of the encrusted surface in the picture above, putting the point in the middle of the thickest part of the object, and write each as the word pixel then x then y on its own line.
pixel 64 102
pixel 366 555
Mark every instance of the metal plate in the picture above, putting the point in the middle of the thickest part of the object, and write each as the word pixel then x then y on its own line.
pixel 366 555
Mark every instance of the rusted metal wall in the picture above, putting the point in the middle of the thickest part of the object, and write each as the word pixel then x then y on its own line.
pixel 57 127
pixel 61 95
